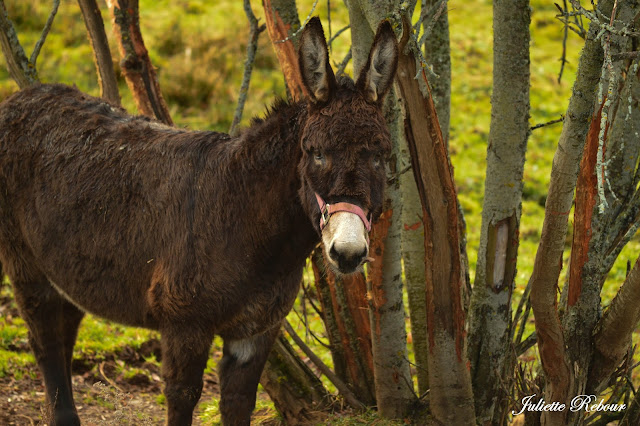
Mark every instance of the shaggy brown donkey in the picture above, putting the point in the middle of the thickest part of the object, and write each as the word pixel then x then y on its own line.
pixel 189 233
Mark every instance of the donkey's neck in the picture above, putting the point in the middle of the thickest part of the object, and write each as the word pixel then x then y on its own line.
pixel 260 170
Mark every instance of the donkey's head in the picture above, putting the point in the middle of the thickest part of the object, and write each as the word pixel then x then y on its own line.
pixel 345 142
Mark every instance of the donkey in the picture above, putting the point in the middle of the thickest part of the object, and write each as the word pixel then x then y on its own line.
pixel 189 233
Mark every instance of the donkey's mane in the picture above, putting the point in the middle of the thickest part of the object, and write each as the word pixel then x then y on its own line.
pixel 345 83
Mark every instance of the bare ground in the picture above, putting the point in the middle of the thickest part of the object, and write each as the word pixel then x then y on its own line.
pixel 104 397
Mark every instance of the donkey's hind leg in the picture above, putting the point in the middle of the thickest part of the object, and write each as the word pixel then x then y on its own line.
pixel 239 373
pixel 53 325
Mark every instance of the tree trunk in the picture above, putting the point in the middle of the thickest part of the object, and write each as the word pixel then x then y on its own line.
pixel 437 52
pixel 612 337
pixel 490 322
pixel 282 22
pixel 101 53
pixel 393 384
pixel 136 65
pixel 343 299
pixel 548 261
pixel 593 226
pixel 601 234
pixel 344 305
pixel 451 398
pixel 413 258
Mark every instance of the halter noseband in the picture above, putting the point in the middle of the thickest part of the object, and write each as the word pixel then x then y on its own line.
pixel 326 210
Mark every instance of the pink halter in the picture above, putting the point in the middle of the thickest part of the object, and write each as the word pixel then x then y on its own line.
pixel 326 210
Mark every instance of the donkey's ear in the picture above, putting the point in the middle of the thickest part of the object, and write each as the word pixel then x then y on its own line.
pixel 377 75
pixel 313 58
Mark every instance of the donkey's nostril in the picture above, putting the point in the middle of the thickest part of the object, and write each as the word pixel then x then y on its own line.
pixel 348 256
pixel 334 254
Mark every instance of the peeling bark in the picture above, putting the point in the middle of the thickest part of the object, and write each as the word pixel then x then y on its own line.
pixel 344 304
pixel 548 261
pixel 282 21
pixel 583 295
pixel 136 65
pixel 451 399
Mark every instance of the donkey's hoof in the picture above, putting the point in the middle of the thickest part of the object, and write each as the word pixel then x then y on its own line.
pixel 67 418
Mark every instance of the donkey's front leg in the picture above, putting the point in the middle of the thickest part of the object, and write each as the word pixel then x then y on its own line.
pixel 239 373
pixel 185 351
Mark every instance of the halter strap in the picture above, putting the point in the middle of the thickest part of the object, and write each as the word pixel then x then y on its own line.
pixel 326 210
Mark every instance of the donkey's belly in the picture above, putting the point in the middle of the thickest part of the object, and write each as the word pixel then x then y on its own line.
pixel 117 300
pixel 263 310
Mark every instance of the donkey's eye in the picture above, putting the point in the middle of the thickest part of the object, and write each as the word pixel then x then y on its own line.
pixel 318 157
pixel 377 159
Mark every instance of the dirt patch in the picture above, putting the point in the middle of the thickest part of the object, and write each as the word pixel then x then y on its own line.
pixel 106 392
pixel 133 400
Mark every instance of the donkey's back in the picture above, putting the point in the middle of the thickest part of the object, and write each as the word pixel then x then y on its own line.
pixel 93 198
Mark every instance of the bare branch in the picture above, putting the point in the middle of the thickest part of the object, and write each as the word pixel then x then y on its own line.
pixel 45 32
pixel 101 52
pixel 344 62
pixel 548 123
pixel 339 384
pixel 329 25
pixel 563 58
pixel 436 15
pixel 252 47
pixel 340 31
pixel 21 70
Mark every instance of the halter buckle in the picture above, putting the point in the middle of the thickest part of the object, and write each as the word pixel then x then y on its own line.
pixel 325 216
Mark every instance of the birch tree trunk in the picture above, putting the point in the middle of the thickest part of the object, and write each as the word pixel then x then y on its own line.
pixel 489 345
pixel 393 384
pixel 597 238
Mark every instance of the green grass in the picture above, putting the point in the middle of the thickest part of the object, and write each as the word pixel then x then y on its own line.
pixel 199 47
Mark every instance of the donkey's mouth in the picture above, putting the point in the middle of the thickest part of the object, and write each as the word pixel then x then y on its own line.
pixel 342 269
pixel 346 245
pixel 347 263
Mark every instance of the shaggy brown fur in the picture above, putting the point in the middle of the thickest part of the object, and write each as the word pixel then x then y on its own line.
pixel 189 233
